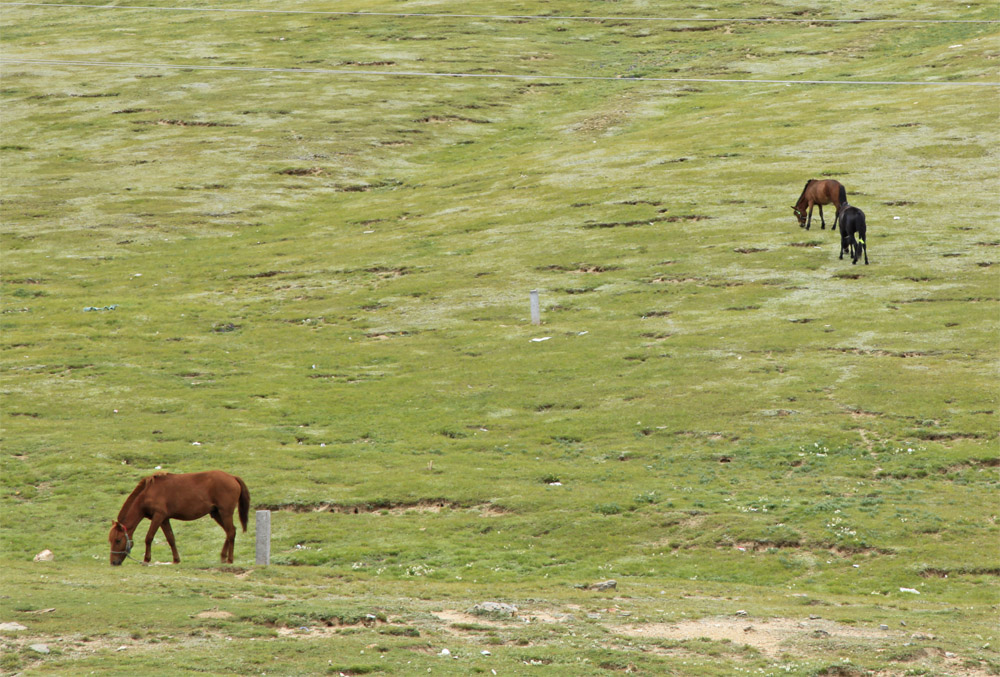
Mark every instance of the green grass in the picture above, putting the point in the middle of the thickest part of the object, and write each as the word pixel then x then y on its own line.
pixel 320 282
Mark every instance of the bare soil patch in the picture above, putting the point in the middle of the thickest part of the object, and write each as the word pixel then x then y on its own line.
pixel 453 617
pixel 771 636
pixel 387 507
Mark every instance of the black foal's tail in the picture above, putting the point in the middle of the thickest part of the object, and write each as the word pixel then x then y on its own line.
pixel 244 503
pixel 843 195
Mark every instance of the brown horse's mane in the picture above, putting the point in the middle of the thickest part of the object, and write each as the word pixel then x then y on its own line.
pixel 139 488
pixel 804 188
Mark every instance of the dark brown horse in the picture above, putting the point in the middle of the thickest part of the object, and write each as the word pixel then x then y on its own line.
pixel 162 497
pixel 819 193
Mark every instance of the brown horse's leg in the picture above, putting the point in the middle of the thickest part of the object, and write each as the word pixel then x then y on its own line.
pixel 154 523
pixel 169 533
pixel 822 223
pixel 226 522
pixel 809 218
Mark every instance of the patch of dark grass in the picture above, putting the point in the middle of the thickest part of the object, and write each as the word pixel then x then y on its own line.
pixel 608 509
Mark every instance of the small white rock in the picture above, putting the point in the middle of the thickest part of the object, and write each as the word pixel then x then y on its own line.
pixel 12 627
pixel 39 648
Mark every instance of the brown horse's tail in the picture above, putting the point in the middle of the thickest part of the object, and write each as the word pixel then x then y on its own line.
pixel 843 195
pixel 244 503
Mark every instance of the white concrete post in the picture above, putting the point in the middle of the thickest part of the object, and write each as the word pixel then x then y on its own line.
pixel 536 311
pixel 263 518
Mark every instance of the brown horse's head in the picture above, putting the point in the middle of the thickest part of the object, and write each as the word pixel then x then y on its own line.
pixel 800 214
pixel 121 543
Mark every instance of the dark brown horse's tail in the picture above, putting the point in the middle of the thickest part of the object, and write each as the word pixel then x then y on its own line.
pixel 244 503
pixel 843 195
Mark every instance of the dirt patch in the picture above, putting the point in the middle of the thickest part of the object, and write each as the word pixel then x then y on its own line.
pixel 303 171
pixel 931 572
pixel 386 507
pixel 675 280
pixel 445 119
pixel 387 272
pixel 311 631
pixel 771 637
pixel 184 123
pixel 861 413
pixel 214 613
pixel 580 268
pixel 386 335
pixel 459 622
pixel 451 616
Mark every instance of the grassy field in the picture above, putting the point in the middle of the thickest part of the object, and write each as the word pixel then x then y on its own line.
pixel 319 281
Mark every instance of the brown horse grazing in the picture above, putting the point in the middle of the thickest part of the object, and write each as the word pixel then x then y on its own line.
pixel 164 496
pixel 819 193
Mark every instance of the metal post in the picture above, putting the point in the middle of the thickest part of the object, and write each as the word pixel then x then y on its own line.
pixel 263 518
pixel 536 312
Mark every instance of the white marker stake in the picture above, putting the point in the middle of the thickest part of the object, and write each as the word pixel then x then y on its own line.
pixel 536 312
pixel 263 518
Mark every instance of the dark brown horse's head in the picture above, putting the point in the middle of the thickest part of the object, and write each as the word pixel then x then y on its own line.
pixel 121 543
pixel 800 214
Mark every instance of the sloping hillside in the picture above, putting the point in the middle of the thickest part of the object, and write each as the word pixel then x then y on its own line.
pixel 297 242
